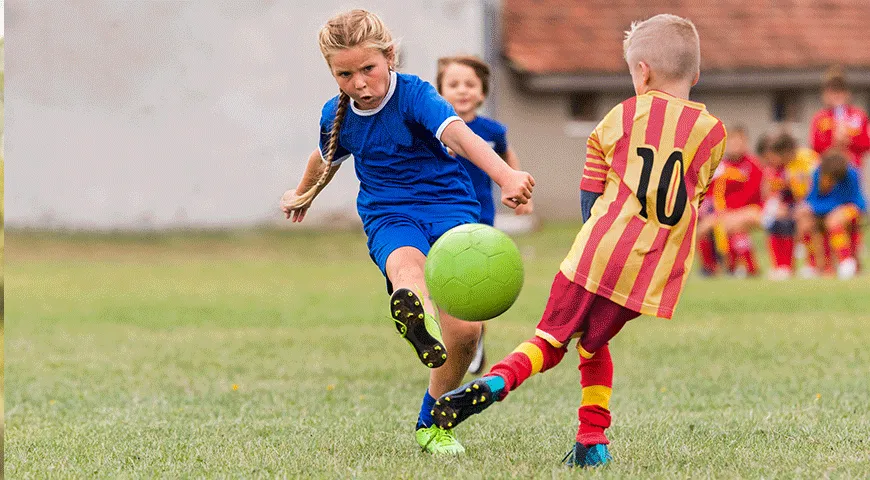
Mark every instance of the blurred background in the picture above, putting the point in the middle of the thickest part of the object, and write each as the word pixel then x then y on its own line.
pixel 149 115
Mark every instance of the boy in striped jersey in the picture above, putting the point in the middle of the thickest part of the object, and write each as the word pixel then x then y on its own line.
pixel 648 165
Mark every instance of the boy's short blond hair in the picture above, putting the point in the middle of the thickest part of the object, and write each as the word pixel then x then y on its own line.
pixel 667 43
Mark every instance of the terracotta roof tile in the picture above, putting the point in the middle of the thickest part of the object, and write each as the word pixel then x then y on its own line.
pixel 569 36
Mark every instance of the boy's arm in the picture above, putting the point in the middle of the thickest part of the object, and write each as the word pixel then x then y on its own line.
pixel 594 174
pixel 717 185
pixel 596 167
pixel 516 185
pixel 587 200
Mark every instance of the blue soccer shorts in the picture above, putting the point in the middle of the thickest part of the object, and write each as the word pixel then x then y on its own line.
pixel 387 233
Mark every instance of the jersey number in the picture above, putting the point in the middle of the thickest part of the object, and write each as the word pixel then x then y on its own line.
pixel 648 157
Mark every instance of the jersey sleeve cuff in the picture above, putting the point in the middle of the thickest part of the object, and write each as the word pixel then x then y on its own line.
pixel 444 124
pixel 590 185
pixel 337 161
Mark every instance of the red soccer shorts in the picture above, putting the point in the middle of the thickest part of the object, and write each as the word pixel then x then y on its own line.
pixel 572 311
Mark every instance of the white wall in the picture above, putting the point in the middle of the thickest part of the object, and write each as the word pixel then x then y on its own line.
pixel 537 133
pixel 142 114
pixel 755 111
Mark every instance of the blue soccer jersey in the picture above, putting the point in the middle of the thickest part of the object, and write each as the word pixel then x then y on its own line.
pixel 495 134
pixel 400 162
pixel 847 190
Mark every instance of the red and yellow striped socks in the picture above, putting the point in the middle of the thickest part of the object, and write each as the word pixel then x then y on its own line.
pixel 530 357
pixel 596 378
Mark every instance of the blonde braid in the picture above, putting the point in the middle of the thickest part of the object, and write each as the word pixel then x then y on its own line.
pixel 305 199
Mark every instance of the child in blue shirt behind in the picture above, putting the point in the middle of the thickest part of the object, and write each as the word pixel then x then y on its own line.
pixel 464 82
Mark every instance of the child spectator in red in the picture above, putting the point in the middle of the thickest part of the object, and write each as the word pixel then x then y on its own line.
pixel 736 196
pixel 840 124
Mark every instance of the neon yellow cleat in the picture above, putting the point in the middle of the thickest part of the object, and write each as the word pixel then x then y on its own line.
pixel 438 441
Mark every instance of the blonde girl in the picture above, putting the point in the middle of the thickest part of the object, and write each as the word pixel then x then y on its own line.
pixel 395 127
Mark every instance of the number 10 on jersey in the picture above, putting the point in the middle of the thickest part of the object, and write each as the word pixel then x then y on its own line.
pixel 663 192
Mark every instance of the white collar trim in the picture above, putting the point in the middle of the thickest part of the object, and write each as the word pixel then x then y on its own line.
pixel 390 90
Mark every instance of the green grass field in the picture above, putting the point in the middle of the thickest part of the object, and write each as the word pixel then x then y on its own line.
pixel 268 354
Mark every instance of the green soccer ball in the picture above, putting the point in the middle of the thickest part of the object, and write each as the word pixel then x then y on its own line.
pixel 474 272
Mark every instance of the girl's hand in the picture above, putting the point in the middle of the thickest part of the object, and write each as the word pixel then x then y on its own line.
pixel 526 209
pixel 287 202
pixel 517 188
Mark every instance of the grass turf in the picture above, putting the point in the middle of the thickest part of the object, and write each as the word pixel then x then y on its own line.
pixel 261 354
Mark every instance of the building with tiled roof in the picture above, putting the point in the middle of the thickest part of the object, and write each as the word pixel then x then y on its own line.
pixel 762 64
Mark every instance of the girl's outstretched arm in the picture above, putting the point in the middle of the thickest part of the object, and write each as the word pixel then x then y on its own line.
pixel 510 157
pixel 516 186
pixel 313 171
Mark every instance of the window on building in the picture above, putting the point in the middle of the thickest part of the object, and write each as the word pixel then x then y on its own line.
pixel 583 107
pixel 787 106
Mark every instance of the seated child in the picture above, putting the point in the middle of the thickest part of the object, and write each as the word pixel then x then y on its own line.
pixel 786 183
pixel 736 203
pixel 834 205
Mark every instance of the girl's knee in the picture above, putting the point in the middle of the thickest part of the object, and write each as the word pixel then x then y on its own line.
pixel 405 265
pixel 407 275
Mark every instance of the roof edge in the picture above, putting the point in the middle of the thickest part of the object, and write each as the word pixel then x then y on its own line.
pixel 711 80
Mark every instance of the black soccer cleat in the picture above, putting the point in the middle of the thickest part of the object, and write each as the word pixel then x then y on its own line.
pixel 455 406
pixel 418 328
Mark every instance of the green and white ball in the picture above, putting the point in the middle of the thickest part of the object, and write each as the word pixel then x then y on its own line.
pixel 474 272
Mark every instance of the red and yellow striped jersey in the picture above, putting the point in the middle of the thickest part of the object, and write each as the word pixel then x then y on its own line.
pixel 736 183
pixel 791 183
pixel 652 159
